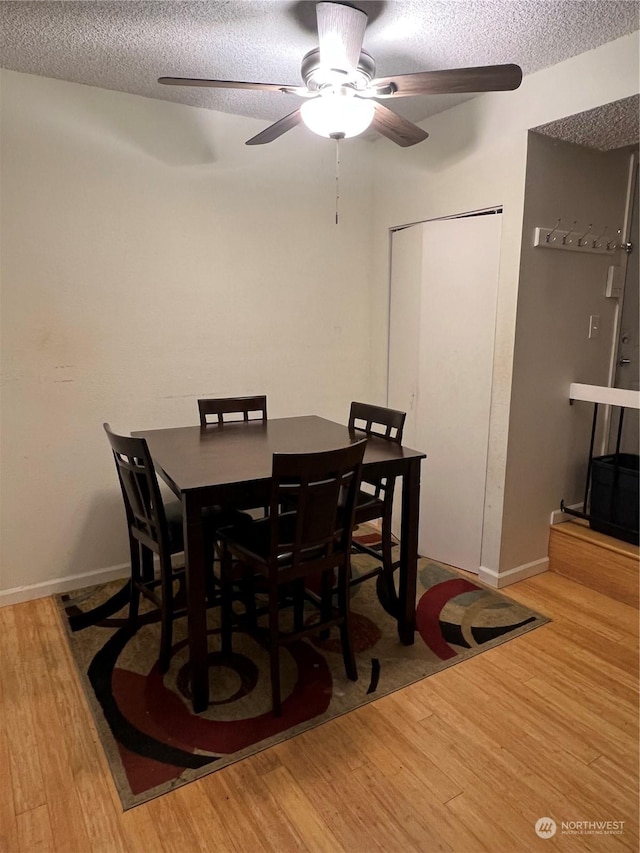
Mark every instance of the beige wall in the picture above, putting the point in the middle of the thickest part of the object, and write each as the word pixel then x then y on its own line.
pixel 149 257
pixel 138 231
pixel 474 158
pixel 558 291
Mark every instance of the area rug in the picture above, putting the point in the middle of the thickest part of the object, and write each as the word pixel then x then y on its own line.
pixel 155 743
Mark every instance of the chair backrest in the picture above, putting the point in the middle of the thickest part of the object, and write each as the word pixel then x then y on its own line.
pixel 218 407
pixel 319 491
pixel 376 420
pixel 140 490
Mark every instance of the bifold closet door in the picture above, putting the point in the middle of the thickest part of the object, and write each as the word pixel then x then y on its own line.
pixel 444 283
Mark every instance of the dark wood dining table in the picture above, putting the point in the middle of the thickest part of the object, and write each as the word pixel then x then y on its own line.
pixel 230 464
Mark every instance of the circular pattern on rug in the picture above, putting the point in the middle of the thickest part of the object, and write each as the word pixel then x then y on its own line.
pixel 457 613
pixel 155 743
pixel 150 713
pixel 236 667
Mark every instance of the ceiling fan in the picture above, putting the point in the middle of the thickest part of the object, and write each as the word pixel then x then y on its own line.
pixel 342 93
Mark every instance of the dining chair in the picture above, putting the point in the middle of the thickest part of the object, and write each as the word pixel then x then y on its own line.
pixel 378 501
pixel 156 529
pixel 312 538
pixel 218 407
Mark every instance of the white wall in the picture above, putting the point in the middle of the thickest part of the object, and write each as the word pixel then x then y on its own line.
pixel 141 232
pixel 149 257
pixel 474 158
pixel 558 292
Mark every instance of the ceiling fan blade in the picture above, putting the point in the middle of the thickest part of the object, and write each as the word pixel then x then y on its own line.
pixel 486 78
pixel 340 34
pixel 397 128
pixel 277 129
pixel 232 84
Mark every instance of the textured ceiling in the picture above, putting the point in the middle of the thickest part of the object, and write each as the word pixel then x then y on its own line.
pixel 610 126
pixel 126 46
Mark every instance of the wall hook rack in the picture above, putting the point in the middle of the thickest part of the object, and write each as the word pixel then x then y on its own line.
pixel 582 237
pixel 554 238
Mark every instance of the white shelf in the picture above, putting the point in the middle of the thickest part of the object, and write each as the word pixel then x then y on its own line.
pixel 603 394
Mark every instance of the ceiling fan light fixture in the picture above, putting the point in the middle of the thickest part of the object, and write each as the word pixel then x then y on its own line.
pixel 337 115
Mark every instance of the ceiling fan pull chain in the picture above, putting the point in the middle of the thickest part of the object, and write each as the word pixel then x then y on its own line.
pixel 337 137
pixel 337 176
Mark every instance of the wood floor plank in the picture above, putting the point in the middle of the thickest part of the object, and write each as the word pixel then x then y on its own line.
pixel 485 764
pixel 530 710
pixel 412 781
pixel 83 758
pixel 174 822
pixel 346 821
pixel 475 755
pixel 559 595
pixel 24 758
pixel 68 830
pixel 602 733
pixel 500 744
pixel 8 824
pixel 140 831
pixel 238 827
pixel 316 770
pixel 34 830
pixel 619 659
pixel 391 750
pixel 462 762
pixel 395 821
pixel 210 832
pixel 405 704
pixel 301 811
pixel 559 658
pixel 279 833
pixel 622 777
pixel 533 772
pixel 512 832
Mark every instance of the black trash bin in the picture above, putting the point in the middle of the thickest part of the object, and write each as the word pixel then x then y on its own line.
pixel 614 496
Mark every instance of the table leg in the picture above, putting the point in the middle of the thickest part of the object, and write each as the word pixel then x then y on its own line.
pixel 196 601
pixel 409 552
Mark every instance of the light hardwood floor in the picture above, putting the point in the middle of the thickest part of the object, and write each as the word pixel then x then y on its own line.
pixel 467 760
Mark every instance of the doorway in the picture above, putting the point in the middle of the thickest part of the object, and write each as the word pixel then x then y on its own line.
pixel 443 295
pixel 627 367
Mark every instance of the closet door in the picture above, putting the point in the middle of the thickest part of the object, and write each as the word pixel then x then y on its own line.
pixel 454 311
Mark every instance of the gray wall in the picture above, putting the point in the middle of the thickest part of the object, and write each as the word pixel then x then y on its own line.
pixel 549 439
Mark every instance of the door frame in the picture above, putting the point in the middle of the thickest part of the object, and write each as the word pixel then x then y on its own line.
pixel 632 189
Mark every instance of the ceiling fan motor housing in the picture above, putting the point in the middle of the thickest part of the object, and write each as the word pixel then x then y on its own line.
pixel 317 77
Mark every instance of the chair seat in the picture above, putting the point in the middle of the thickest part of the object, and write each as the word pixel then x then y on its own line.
pixel 213 518
pixel 254 539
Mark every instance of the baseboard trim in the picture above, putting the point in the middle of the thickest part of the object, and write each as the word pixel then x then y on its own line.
pixel 558 516
pixel 519 573
pixel 72 582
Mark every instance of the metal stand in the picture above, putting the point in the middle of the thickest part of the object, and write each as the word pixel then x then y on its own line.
pixel 616 472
